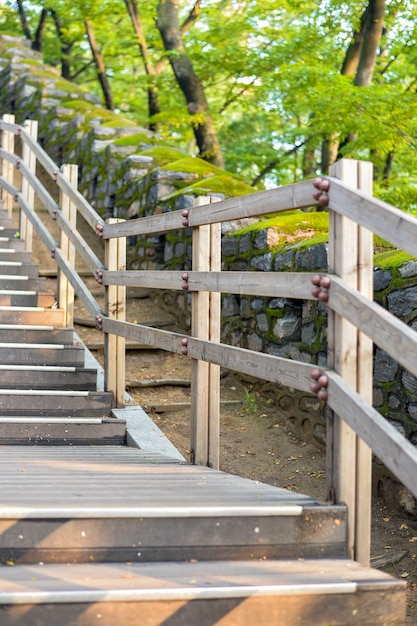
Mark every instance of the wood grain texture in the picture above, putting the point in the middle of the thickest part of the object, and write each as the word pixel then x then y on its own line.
pixel 7 169
pixel 53 170
pixel 29 158
pixel 298 195
pixel 265 366
pixel 274 284
pixel 384 220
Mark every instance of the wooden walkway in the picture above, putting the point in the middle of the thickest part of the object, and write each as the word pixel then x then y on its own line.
pixel 103 533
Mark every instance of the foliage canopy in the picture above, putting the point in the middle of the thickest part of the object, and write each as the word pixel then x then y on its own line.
pixel 272 75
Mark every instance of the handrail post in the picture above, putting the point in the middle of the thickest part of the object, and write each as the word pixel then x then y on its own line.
pixel 349 459
pixel 69 210
pixel 7 169
pixel 214 335
pixel 115 308
pixel 28 193
pixel 205 324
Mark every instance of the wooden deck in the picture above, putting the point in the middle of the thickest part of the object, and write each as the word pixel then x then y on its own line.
pixel 103 533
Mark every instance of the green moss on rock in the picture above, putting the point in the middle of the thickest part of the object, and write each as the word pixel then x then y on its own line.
pixel 392 259
pixel 163 154
pixel 195 165
pixel 225 185
pixel 135 139
pixel 289 228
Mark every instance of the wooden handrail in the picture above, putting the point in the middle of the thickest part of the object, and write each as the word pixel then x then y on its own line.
pixel 81 246
pixel 81 290
pixel 366 421
pixel 264 366
pixel 381 218
pixel 349 298
pixel 396 452
pixel 295 196
pixel 385 330
pixel 288 284
pixel 86 210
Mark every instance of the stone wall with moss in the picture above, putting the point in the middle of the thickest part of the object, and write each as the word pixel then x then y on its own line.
pixel 124 170
pixel 293 329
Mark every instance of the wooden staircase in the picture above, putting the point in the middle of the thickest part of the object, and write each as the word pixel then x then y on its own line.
pixel 93 532
pixel 47 396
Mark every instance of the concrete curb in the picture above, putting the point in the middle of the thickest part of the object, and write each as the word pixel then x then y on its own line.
pixel 142 432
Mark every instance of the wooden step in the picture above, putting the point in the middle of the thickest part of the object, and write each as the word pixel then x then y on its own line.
pixel 21 333
pixel 9 254
pixel 60 431
pixel 124 504
pixel 31 315
pixel 242 593
pixel 21 298
pixel 12 242
pixel 41 354
pixel 47 377
pixel 44 403
pixel 22 282
pixel 8 268
pixel 7 229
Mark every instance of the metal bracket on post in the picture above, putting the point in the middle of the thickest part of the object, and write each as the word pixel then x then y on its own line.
pixel 7 169
pixel 115 308
pixel 28 193
pixel 69 210
pixel 349 463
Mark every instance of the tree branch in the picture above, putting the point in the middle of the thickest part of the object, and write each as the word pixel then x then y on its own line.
pixel 273 164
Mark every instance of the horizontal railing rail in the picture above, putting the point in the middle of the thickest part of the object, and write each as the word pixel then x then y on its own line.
pixel 82 248
pixel 295 196
pixel 385 330
pixel 85 209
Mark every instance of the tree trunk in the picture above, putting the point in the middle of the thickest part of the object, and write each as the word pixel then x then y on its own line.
pixel 353 53
pixel 100 66
pixel 189 83
pixel 23 20
pixel 66 47
pixel 150 70
pixel 372 39
pixel 360 57
pixel 37 42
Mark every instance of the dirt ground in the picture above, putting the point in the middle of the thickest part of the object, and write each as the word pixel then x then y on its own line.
pixel 255 441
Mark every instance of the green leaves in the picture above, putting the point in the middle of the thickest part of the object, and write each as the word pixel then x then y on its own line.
pixel 271 72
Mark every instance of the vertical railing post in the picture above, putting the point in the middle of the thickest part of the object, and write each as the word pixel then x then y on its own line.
pixel 365 379
pixel 115 308
pixel 214 335
pixel 350 354
pixel 28 193
pixel 69 210
pixel 7 169
pixel 205 324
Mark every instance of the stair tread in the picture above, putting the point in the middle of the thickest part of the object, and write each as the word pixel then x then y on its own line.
pixel 183 489
pixel 54 392
pixel 51 419
pixel 62 431
pixel 35 333
pixel 164 581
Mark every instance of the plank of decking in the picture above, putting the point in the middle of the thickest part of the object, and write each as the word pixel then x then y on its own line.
pixel 124 504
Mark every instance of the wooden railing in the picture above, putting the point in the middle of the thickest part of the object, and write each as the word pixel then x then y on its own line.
pixel 354 428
